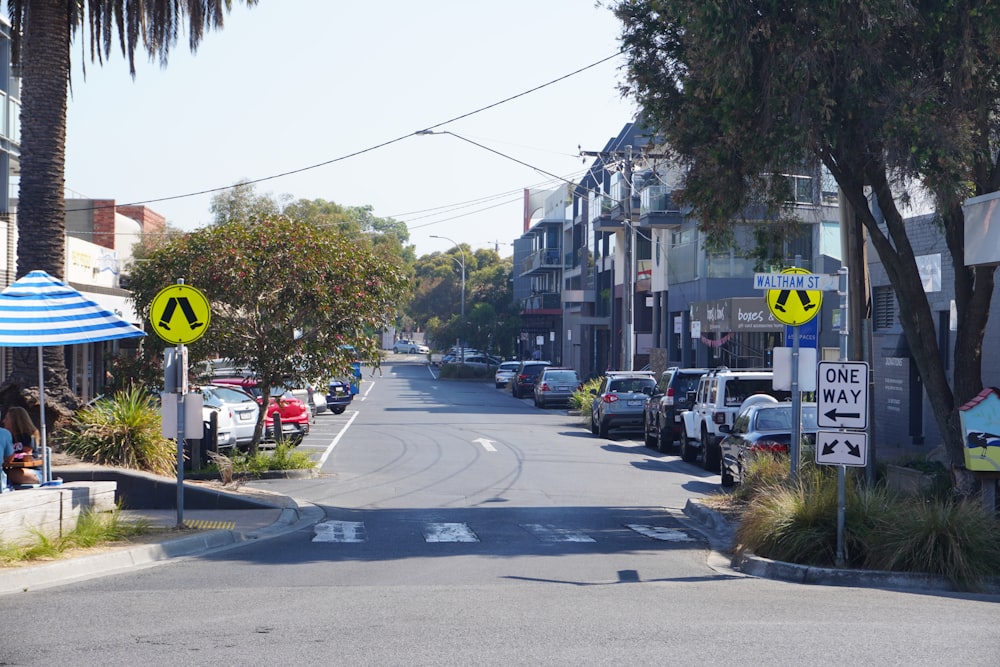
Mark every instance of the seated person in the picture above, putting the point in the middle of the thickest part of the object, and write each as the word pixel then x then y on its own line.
pixel 20 432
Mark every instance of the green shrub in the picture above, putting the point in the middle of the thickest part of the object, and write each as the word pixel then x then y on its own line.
pixel 121 430
pixel 283 457
pixel 582 398
pixel 464 372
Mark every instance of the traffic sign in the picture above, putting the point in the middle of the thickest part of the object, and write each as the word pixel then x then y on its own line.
pixel 824 282
pixel 794 301
pixel 180 314
pixel 842 395
pixel 845 448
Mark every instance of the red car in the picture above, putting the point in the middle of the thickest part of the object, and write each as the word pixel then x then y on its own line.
pixel 293 412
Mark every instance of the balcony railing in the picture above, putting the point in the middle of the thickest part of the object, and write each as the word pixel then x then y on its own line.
pixel 600 206
pixel 545 258
pixel 545 301
pixel 656 199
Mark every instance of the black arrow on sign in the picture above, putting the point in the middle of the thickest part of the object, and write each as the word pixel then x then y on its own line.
pixel 833 414
pixel 828 447
pixel 853 450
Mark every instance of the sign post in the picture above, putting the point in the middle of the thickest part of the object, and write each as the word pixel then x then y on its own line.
pixel 195 315
pixel 793 310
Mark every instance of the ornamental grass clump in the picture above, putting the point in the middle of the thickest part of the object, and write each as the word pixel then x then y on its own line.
pixel 121 430
pixel 793 521
pixel 92 528
pixel 957 539
pixel 796 522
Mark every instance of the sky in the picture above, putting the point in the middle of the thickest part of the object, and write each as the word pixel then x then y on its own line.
pixel 322 99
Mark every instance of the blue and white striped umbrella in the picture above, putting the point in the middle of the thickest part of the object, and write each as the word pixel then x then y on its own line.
pixel 38 310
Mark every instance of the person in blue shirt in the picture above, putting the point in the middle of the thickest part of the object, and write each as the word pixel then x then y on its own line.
pixel 6 454
pixel 21 431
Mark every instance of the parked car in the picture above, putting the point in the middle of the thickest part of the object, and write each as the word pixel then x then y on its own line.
pixel 339 395
pixel 673 393
pixel 244 408
pixel 294 414
pixel 225 422
pixel 619 401
pixel 409 347
pixel 555 386
pixel 523 382
pixel 454 355
pixel 718 399
pixel 480 362
pixel 762 427
pixel 505 371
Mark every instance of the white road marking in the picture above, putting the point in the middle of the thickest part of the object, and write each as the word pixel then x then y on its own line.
pixel 371 385
pixel 550 533
pixel 329 449
pixel 448 532
pixel 487 444
pixel 340 531
pixel 660 533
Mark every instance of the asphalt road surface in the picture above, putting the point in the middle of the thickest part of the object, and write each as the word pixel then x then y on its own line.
pixel 462 526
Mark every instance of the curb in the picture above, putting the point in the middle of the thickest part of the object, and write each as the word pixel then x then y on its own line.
pixel 34 577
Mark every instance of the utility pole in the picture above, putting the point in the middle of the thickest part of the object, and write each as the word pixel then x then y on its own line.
pixel 625 158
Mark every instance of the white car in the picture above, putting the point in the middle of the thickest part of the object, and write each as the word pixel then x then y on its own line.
pixel 226 422
pixel 409 347
pixel 505 371
pixel 242 407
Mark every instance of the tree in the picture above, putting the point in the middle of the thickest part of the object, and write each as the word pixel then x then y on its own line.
pixel 285 296
pixel 41 34
pixel 884 94
pixel 241 203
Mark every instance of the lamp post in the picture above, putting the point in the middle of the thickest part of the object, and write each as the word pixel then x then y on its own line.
pixel 461 329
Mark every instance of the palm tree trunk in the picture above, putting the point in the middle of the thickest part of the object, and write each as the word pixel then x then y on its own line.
pixel 41 214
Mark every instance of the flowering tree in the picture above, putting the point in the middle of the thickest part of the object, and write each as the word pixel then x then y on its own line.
pixel 285 296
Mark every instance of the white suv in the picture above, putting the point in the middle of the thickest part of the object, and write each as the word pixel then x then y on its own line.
pixel 720 393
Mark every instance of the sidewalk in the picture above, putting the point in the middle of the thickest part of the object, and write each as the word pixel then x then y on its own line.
pixel 211 530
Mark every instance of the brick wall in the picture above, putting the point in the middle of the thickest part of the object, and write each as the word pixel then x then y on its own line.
pixel 104 222
pixel 151 221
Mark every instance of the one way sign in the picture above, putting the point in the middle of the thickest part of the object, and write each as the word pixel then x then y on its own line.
pixel 842 395
pixel 846 448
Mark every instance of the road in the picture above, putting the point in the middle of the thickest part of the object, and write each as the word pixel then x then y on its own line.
pixel 463 526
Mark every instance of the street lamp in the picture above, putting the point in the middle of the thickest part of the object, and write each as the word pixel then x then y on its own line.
pixel 461 343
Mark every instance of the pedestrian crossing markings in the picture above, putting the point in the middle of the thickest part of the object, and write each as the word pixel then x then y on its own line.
pixel 354 531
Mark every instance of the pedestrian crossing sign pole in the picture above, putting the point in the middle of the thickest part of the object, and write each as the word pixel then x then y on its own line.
pixel 180 314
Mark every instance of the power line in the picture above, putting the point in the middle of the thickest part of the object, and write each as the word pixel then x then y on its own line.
pixel 364 150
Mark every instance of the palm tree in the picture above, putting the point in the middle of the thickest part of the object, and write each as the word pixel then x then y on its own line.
pixel 41 34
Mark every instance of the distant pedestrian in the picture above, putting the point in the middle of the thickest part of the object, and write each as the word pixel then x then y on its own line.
pixel 536 355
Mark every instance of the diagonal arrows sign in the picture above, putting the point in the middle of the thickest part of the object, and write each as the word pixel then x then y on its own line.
pixel 847 448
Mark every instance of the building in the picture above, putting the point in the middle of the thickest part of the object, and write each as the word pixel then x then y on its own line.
pixel 538 271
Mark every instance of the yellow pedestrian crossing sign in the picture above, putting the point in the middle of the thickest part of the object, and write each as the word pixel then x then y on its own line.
pixel 792 304
pixel 180 314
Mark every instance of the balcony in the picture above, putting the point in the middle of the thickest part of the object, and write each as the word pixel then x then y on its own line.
pixel 545 260
pixel 657 208
pixel 539 303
